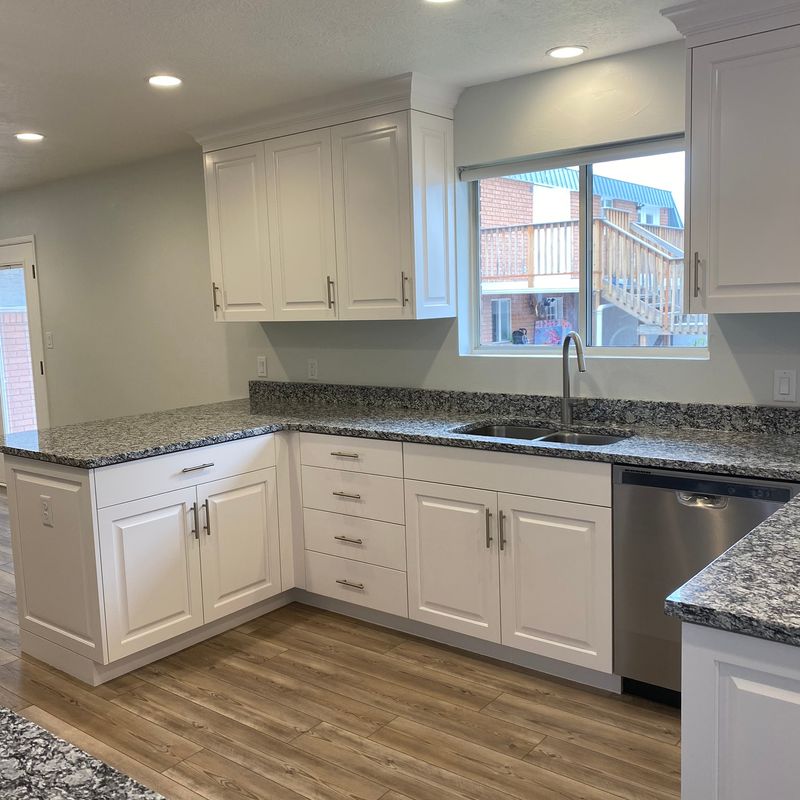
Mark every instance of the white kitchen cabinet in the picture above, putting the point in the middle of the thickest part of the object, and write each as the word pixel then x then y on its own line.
pixel 742 200
pixel 740 716
pixel 330 212
pixel 556 579
pixel 240 549
pixel 301 226
pixel 150 556
pixel 452 558
pixel 373 217
pixel 238 233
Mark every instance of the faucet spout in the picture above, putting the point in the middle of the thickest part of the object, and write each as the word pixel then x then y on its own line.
pixel 566 397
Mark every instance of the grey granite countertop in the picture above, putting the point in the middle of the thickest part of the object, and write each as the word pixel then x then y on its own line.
pixel 751 589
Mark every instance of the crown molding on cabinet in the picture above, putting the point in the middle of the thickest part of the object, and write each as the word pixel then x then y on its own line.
pixel 410 91
pixel 706 21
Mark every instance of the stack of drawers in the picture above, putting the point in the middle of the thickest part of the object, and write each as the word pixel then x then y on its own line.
pixel 354 519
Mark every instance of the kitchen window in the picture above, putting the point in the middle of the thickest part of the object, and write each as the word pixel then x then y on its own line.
pixel 593 244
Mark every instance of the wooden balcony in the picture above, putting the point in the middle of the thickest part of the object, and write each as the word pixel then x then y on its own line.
pixel 639 268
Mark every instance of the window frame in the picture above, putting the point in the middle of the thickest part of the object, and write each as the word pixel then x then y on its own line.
pixel 655 146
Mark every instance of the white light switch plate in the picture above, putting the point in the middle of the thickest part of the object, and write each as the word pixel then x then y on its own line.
pixel 313 369
pixel 261 366
pixel 785 386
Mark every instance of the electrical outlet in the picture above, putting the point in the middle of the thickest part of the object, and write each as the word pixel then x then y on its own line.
pixel 261 366
pixel 313 369
pixel 46 504
pixel 50 342
pixel 785 386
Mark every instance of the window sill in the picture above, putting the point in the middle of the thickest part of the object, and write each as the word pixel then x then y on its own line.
pixel 626 353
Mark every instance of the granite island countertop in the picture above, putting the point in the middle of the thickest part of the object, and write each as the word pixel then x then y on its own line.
pixel 750 589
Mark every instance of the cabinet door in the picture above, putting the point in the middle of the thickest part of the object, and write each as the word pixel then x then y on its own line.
pixel 744 201
pixel 555 578
pixel 373 218
pixel 240 550
pixel 433 193
pixel 300 203
pixel 151 571
pixel 236 200
pixel 452 558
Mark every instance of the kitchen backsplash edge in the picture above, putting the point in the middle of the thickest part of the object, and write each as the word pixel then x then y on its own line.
pixel 607 411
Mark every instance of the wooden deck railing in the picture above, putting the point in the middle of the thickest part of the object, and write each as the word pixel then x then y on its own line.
pixel 631 273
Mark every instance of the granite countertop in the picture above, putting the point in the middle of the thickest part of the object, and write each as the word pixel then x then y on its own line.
pixel 750 589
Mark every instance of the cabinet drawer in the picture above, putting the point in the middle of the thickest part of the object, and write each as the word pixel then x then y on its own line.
pixel 352 454
pixel 371 496
pixel 373 587
pixel 381 543
pixel 148 476
pixel 534 476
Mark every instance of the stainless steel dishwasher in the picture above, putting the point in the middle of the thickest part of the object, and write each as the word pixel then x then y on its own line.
pixel 667 527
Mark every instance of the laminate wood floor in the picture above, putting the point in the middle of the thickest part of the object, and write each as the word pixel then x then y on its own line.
pixel 304 704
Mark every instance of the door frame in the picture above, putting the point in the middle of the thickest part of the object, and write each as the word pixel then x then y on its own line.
pixel 31 273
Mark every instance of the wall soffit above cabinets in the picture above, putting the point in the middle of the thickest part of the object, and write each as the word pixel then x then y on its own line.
pixel 704 21
pixel 410 91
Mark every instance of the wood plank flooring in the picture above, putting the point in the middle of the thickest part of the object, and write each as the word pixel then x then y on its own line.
pixel 304 704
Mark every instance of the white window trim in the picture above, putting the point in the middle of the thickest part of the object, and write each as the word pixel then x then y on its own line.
pixel 470 341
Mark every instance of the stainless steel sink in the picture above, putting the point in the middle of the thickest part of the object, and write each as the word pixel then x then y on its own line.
pixel 510 431
pixel 572 437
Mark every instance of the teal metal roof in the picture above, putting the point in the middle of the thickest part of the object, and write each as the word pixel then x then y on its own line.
pixel 568 178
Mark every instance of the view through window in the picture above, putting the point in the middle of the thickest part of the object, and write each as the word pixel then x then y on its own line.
pixel 624 289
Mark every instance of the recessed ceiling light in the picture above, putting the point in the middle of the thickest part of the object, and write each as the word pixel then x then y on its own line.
pixel 29 136
pixel 440 1
pixel 164 81
pixel 567 51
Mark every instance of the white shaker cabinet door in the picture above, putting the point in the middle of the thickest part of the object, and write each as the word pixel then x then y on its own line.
pixel 240 549
pixel 373 218
pixel 452 558
pixel 150 555
pixel 744 203
pixel 238 233
pixel 555 577
pixel 300 202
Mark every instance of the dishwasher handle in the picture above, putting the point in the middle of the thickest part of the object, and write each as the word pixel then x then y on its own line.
pixel 698 500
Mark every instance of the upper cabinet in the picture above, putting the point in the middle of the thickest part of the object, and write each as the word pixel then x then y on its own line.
pixel 238 236
pixel 743 119
pixel 352 220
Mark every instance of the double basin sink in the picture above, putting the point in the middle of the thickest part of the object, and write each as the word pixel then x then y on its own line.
pixel 537 434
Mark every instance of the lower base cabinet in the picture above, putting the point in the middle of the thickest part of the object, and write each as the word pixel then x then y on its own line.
pixel 174 561
pixel 525 572
pixel 452 558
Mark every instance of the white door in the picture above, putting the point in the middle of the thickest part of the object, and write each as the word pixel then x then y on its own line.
pixel 240 551
pixel 238 233
pixel 373 218
pixel 150 553
pixel 555 578
pixel 300 204
pixel 744 200
pixel 452 558
pixel 433 190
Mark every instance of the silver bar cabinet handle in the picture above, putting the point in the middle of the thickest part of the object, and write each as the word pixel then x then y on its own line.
pixel 196 517
pixel 329 284
pixel 339 454
pixel 207 526
pixel 347 495
pixel 199 466
pixel 350 583
pixel 214 290
pixel 502 527
pixel 404 282
pixel 696 288
pixel 488 529
pixel 348 539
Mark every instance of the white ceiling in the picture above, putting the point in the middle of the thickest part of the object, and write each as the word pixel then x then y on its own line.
pixel 76 69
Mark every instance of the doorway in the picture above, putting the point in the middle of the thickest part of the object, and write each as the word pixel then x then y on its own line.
pixel 23 391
